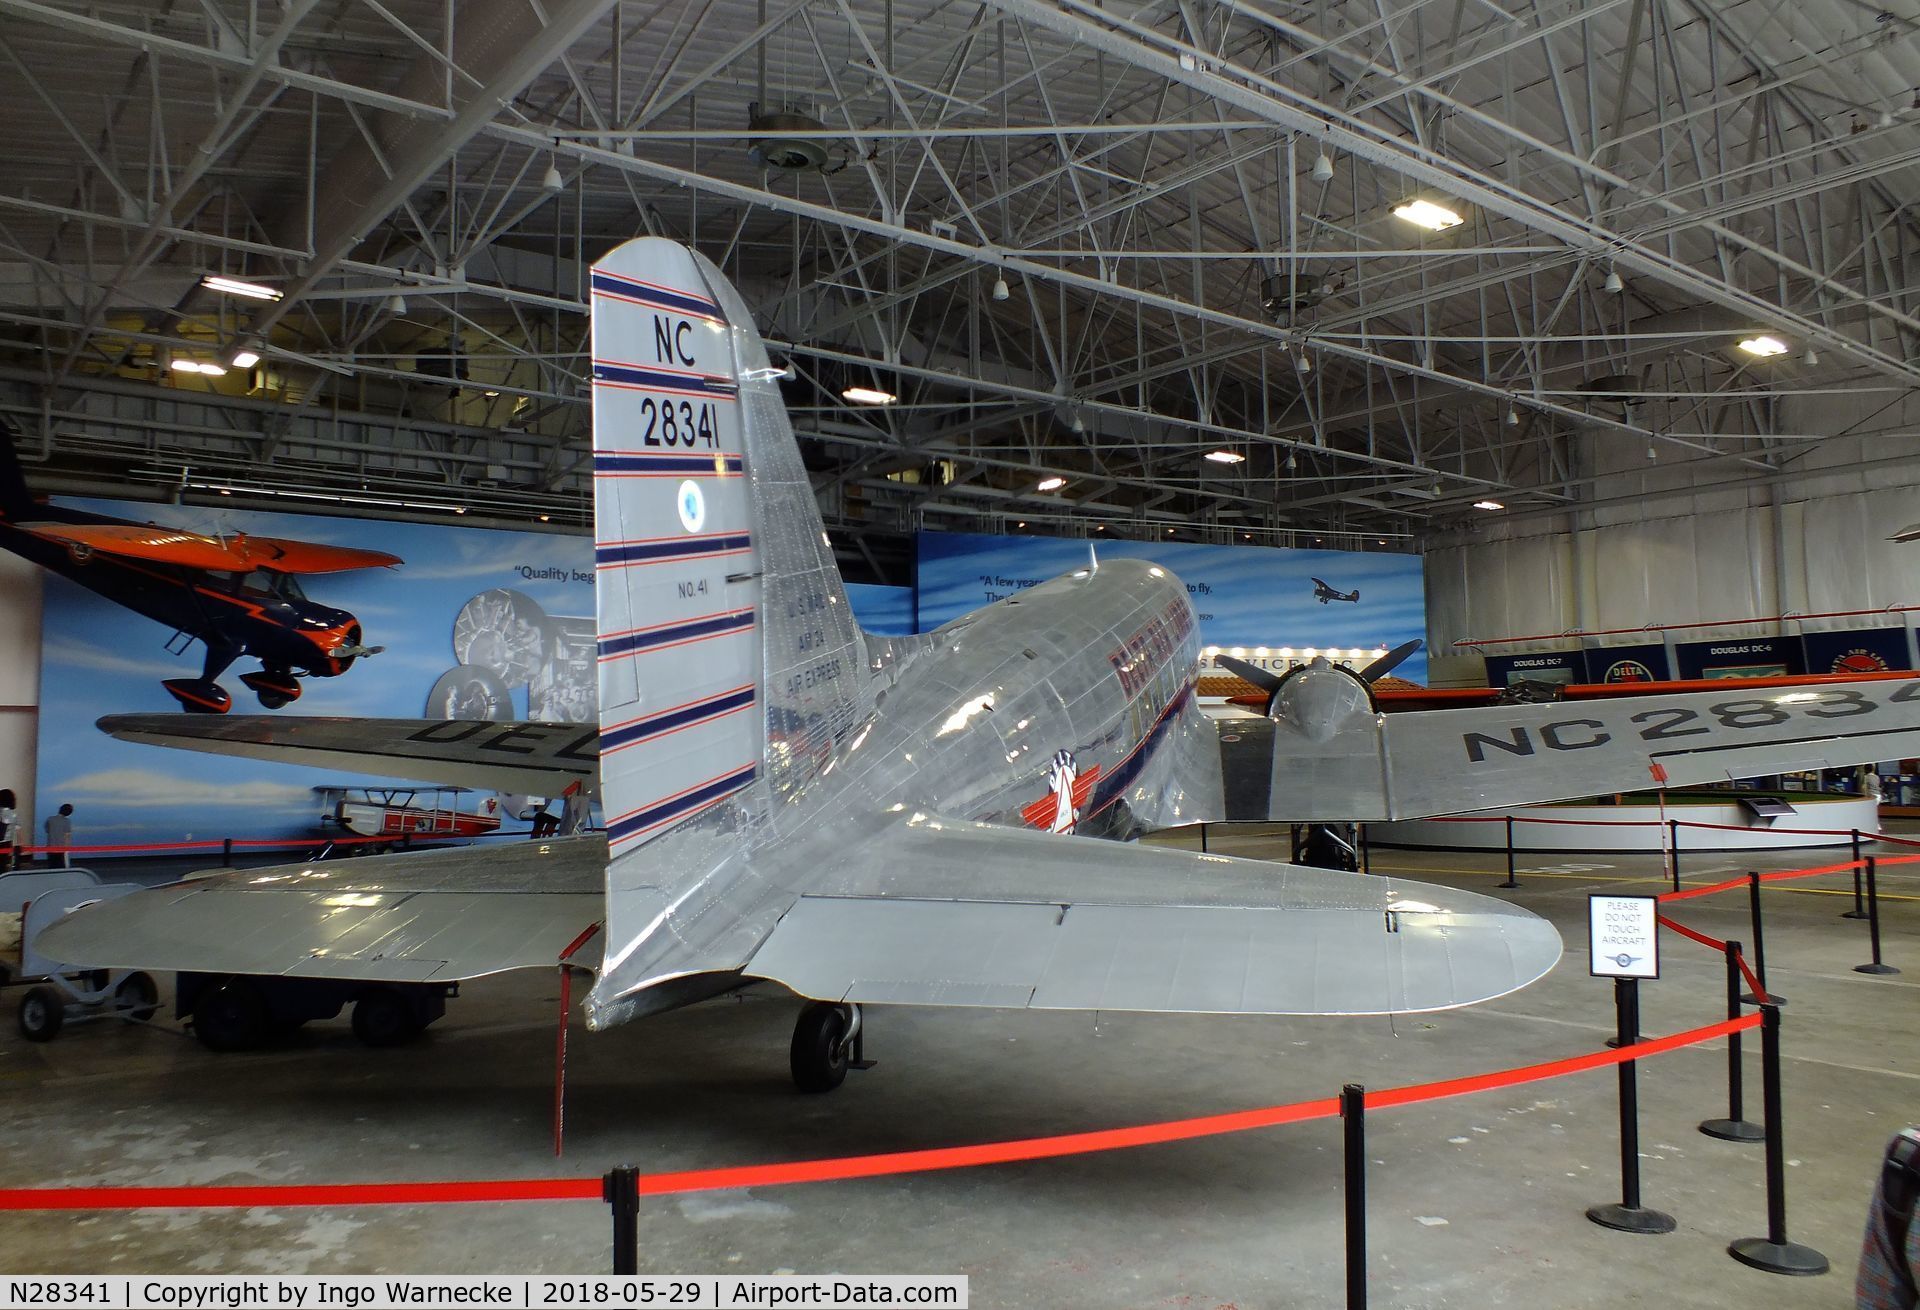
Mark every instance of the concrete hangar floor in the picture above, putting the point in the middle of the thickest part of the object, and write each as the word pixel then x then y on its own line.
pixel 1474 1201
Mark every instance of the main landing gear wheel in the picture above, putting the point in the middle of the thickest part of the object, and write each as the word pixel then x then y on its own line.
pixel 234 1016
pixel 826 1042
pixel 382 1017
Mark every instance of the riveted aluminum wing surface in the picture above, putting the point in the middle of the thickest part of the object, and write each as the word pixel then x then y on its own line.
pixel 1409 765
pixel 966 914
pixel 441 916
pixel 541 758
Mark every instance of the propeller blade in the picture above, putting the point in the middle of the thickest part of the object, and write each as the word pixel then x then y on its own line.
pixel 1392 660
pixel 1253 673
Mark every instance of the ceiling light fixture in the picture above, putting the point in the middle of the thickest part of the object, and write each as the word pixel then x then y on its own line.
pixel 1615 283
pixel 1812 357
pixel 1322 168
pixel 552 181
pixel 1052 484
pixel 1488 504
pixel 1303 363
pixel 868 396
pixel 1513 417
pixel 245 358
pixel 233 286
pixel 1764 346
pixel 196 366
pixel 1425 213
pixel 1225 457
pixel 1000 291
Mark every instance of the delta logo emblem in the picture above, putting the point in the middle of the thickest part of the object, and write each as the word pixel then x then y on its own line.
pixel 1860 660
pixel 1628 671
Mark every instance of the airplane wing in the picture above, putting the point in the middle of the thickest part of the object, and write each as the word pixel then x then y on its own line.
pixel 538 758
pixel 932 912
pixel 1434 698
pixel 1372 766
pixel 237 554
pixel 925 912
pixel 440 916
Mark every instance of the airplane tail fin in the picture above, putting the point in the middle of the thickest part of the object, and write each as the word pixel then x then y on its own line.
pixel 729 659
pixel 728 651
pixel 16 501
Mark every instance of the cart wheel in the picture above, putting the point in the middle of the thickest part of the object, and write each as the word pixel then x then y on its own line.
pixel 137 997
pixel 42 1011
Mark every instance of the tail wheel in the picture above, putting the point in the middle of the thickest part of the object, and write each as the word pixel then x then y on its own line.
pixel 820 1055
pixel 137 997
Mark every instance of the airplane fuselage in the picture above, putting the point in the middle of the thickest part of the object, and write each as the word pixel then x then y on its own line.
pixel 1076 693
pixel 1098 666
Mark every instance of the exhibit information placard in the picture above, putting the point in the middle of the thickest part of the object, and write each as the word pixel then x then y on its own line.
pixel 1623 936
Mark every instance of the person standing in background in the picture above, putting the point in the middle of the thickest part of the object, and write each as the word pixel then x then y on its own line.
pixel 60 837
pixel 9 830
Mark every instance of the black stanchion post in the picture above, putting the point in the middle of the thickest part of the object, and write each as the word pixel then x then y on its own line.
pixel 1203 839
pixel 1366 856
pixel 1511 881
pixel 1629 1216
pixel 226 852
pixel 1774 1253
pixel 621 1190
pixel 1673 849
pixel 1734 1128
pixel 1859 910
pixel 1353 1118
pixel 1759 947
pixel 1873 921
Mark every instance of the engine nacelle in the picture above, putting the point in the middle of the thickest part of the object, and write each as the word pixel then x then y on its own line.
pixel 1320 699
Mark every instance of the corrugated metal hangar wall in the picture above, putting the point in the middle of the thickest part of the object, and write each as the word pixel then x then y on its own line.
pixel 1653 549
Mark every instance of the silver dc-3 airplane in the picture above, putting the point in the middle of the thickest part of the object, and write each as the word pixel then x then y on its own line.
pixel 909 820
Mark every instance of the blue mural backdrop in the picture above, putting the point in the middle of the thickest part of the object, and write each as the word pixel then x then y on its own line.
pixel 1247 596
pixel 496 623
pixel 884 611
pixel 476 623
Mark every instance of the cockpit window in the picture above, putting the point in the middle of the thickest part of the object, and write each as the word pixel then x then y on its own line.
pixel 283 586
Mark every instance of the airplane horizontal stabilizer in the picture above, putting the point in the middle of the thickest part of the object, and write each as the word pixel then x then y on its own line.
pixel 1408 765
pixel 536 758
pixel 973 915
pixel 442 916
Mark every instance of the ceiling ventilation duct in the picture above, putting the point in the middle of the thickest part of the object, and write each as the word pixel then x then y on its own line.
pixel 789 154
pixel 1285 299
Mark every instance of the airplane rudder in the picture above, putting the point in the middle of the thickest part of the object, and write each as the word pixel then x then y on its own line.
pixel 677 563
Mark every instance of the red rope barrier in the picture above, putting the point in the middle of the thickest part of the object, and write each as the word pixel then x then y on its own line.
pixel 1558 1068
pixel 174 1198
pixel 839 1168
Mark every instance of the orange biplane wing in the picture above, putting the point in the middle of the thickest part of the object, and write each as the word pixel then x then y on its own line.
pixel 236 554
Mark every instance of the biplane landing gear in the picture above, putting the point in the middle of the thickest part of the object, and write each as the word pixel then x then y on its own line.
pixel 827 1041
pixel 203 695
pixel 276 688
pixel 199 695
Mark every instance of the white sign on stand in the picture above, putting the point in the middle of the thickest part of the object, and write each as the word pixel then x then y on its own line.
pixel 1623 936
